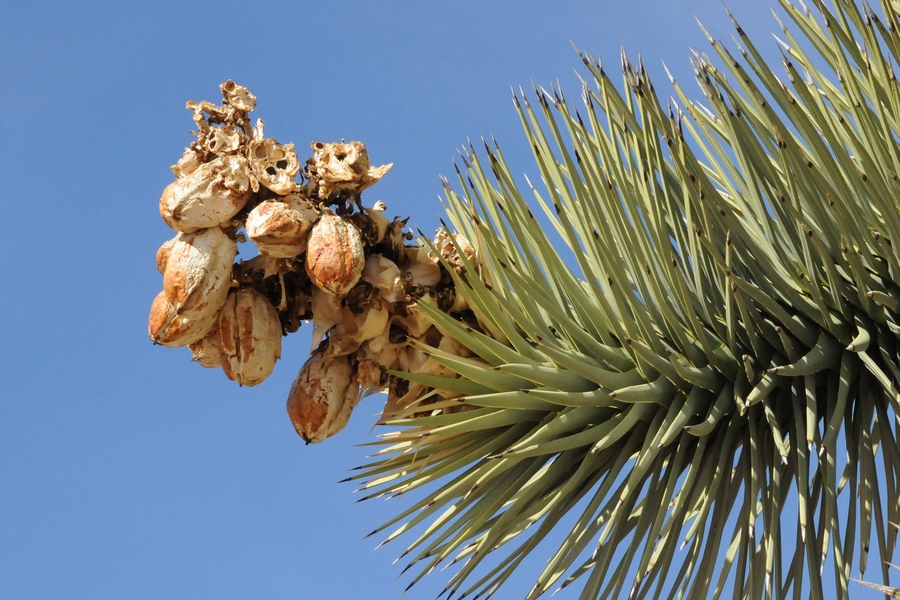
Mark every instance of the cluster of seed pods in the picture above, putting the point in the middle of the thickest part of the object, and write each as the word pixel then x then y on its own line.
pixel 321 257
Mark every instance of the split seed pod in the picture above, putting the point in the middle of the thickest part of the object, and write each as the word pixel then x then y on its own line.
pixel 249 337
pixel 237 96
pixel 334 255
pixel 322 397
pixel 274 165
pixel 195 285
pixel 344 167
pixel 280 227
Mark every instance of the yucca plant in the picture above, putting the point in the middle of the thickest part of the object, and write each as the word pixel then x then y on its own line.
pixel 705 395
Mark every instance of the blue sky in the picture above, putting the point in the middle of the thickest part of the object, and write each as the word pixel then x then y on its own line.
pixel 125 470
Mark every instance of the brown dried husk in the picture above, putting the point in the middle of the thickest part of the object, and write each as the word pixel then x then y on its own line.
pixel 334 255
pixel 323 396
pixel 249 337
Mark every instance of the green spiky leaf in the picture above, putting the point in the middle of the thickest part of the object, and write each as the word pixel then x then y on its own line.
pixel 709 391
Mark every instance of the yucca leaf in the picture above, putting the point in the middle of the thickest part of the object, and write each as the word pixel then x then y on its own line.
pixel 721 346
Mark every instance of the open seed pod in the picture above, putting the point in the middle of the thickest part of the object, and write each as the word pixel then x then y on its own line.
pixel 249 337
pixel 280 227
pixel 208 196
pixel 334 255
pixel 344 167
pixel 323 396
pixel 274 165
pixel 237 96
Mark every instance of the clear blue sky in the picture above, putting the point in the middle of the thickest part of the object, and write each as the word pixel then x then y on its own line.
pixel 125 470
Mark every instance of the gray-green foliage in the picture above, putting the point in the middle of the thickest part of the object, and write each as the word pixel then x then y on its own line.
pixel 720 373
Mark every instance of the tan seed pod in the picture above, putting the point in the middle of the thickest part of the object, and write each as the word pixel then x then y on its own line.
pixel 274 165
pixel 169 328
pixel 344 167
pixel 249 333
pixel 323 396
pixel 334 255
pixel 280 227
pixel 443 242
pixel 198 274
pixel 237 96
pixel 188 163
pixel 162 255
pixel 208 196
pixel 206 352
pixel 221 141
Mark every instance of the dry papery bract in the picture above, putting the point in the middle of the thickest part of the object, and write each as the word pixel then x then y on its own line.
pixel 324 257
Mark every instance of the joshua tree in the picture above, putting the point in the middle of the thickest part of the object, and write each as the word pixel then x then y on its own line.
pixel 715 369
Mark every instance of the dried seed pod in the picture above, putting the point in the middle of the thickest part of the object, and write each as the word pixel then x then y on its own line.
pixel 206 352
pixel 162 255
pixel 198 274
pixel 237 96
pixel 188 163
pixel 223 141
pixel 323 396
pixel 249 333
pixel 344 167
pixel 280 227
pixel 274 165
pixel 208 196
pixel 167 327
pixel 444 245
pixel 334 255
